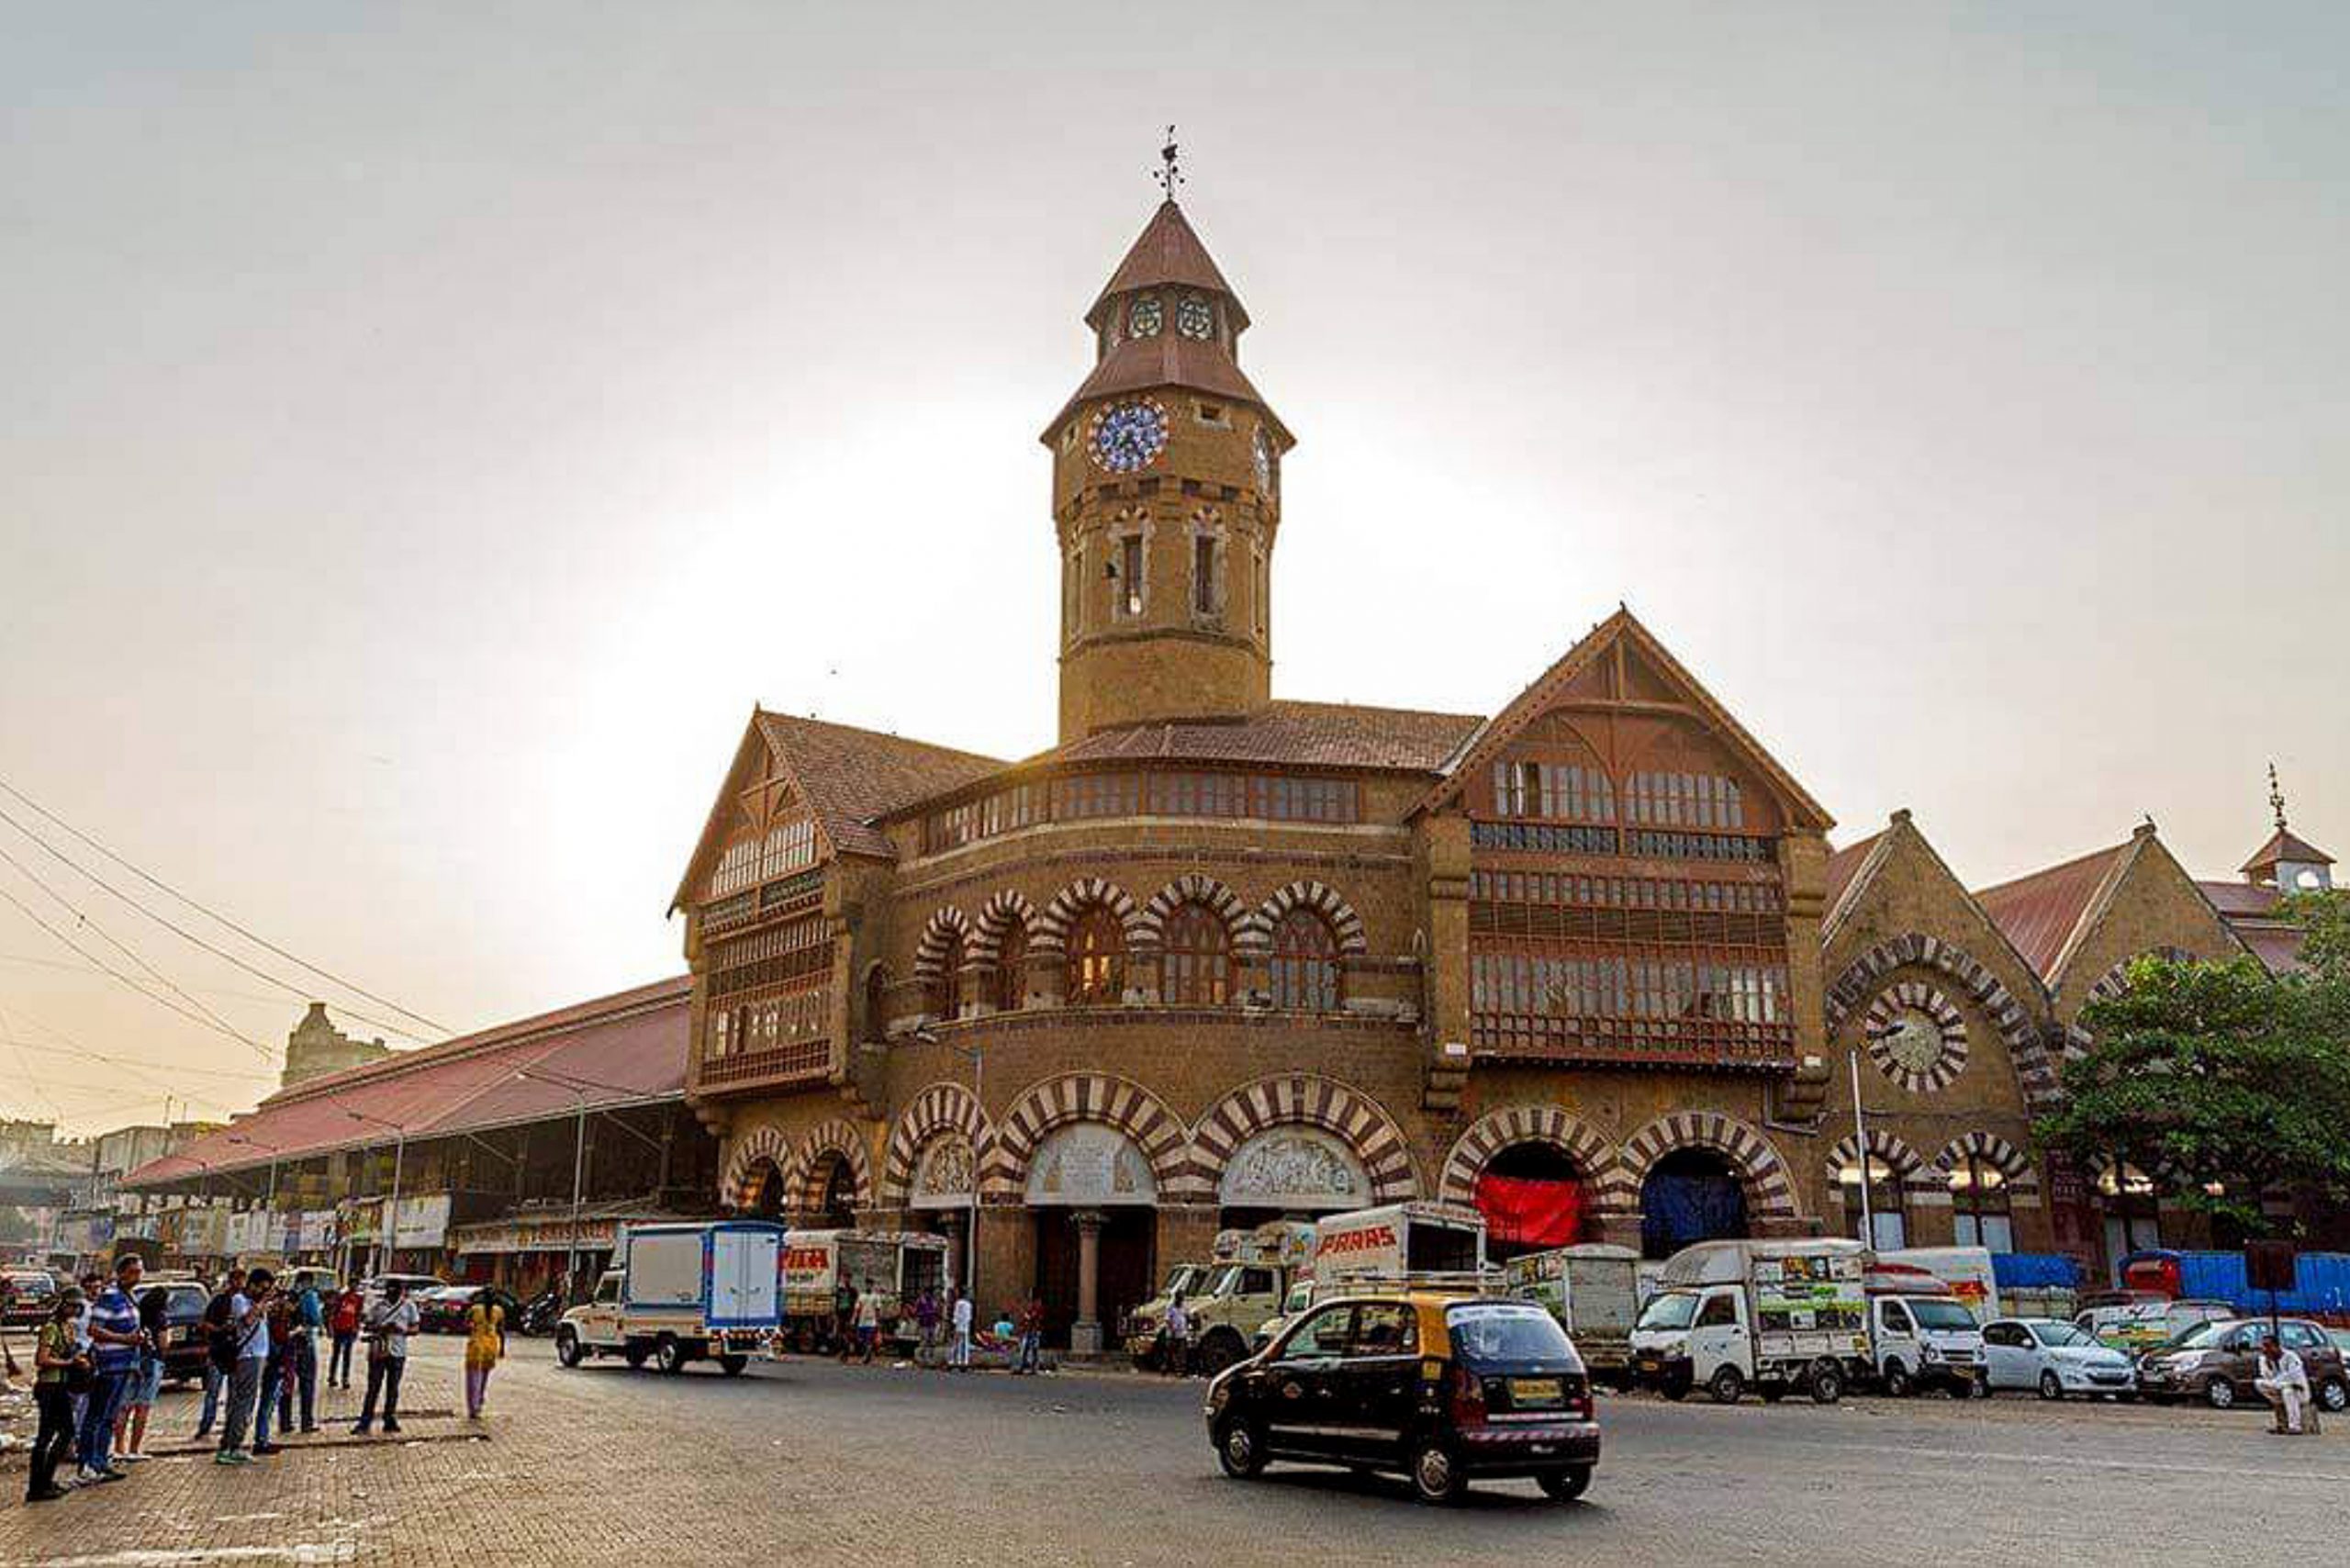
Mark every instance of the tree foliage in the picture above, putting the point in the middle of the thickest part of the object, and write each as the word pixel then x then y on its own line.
pixel 2219 1081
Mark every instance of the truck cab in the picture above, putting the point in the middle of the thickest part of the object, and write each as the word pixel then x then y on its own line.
pixel 1925 1341
pixel 1229 1300
pixel 1771 1316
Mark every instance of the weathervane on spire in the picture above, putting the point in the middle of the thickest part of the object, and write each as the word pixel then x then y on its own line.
pixel 1168 175
pixel 2276 797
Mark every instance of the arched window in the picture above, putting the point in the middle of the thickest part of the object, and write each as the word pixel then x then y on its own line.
pixel 947 990
pixel 1012 967
pixel 1886 1213
pixel 1097 959
pixel 1198 959
pixel 1978 1200
pixel 1304 972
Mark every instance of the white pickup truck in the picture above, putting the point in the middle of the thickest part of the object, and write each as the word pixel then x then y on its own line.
pixel 682 1293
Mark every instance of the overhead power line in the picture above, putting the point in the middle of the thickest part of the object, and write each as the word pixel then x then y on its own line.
pixel 215 916
pixel 34 915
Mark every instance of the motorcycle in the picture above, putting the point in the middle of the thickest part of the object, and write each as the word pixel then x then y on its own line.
pixel 541 1313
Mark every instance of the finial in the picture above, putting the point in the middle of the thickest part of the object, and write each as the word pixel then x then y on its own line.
pixel 2276 798
pixel 1168 177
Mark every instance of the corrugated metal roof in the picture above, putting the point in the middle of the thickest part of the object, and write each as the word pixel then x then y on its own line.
pixel 2038 913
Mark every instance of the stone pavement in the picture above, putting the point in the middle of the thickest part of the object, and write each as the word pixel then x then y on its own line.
pixel 810 1461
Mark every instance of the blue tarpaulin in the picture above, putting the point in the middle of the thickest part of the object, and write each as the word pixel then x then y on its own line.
pixel 2034 1271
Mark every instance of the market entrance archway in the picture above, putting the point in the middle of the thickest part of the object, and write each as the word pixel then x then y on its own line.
pixel 1534 1196
pixel 1093 1201
pixel 1690 1194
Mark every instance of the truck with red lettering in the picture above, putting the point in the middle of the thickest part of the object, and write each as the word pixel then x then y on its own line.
pixel 894 1266
pixel 1389 1244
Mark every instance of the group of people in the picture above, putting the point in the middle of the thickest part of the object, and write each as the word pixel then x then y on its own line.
pixel 951 1318
pixel 99 1363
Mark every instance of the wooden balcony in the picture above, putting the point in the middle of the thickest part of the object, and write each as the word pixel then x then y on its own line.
pixel 1633 1042
pixel 797 1064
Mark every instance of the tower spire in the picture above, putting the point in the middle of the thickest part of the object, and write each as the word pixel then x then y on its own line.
pixel 2276 798
pixel 1168 175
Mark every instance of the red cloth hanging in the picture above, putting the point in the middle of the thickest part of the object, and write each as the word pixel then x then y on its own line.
pixel 1526 1212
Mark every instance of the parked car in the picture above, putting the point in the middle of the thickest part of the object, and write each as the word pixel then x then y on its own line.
pixel 2217 1362
pixel 372 1290
pixel 26 1297
pixel 2135 1321
pixel 441 1310
pixel 185 1345
pixel 2054 1357
pixel 1442 1387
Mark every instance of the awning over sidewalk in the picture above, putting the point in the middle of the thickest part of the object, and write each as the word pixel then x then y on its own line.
pixel 619 1050
pixel 550 1231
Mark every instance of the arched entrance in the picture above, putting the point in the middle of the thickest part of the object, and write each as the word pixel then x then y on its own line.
pixel 940 1196
pixel 1289 1172
pixel 836 1180
pixel 1093 1200
pixel 1534 1196
pixel 1690 1194
pixel 764 1187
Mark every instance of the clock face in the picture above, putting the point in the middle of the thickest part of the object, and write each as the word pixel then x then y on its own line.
pixel 1914 1040
pixel 1194 319
pixel 1263 452
pixel 1143 319
pixel 1127 436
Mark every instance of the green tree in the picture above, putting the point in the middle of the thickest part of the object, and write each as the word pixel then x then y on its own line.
pixel 2324 920
pixel 2219 1081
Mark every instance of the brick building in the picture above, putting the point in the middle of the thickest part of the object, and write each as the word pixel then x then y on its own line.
pixel 1217 956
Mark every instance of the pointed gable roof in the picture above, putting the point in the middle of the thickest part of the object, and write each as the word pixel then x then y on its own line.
pixel 1166 251
pixel 2043 913
pixel 848 776
pixel 2284 845
pixel 1623 628
pixel 1850 869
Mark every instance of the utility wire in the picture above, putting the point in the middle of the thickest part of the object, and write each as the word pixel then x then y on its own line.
pixel 181 930
pixel 65 968
pixel 48 815
pixel 241 1074
pixel 164 1002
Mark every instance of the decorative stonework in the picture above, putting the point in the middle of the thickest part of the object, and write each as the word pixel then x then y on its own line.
pixel 1295 1099
pixel 1889 1151
pixel 1593 1155
pixel 1254 933
pixel 942 1110
pixel 1864 977
pixel 2011 1161
pixel 1001 913
pixel 1088 1097
pixel 1769 1189
pixel 938 935
pixel 1295 1168
pixel 1916 1036
pixel 1050 932
pixel 752 1161
pixel 1192 887
pixel 1081 1164
pixel 2116 981
pixel 947 1175
pixel 802 1195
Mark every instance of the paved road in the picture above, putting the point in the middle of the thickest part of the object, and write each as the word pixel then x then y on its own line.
pixel 881 1466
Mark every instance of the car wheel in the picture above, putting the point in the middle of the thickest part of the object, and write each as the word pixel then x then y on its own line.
pixel 1241 1450
pixel 1726 1385
pixel 733 1365
pixel 1435 1477
pixel 2334 1394
pixel 567 1348
pixel 1217 1352
pixel 1827 1383
pixel 1898 1382
pixel 2219 1393
pixel 668 1355
pixel 2052 1387
pixel 1674 1388
pixel 1565 1486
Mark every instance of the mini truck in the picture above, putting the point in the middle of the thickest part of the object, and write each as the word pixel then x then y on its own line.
pixel 682 1293
pixel 1229 1299
pixel 893 1266
pixel 1427 1242
pixel 1593 1290
pixel 1771 1316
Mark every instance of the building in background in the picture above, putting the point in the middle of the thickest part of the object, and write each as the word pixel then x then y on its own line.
pixel 315 1048
pixel 2284 865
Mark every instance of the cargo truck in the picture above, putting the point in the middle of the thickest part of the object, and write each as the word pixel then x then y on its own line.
pixel 1770 1316
pixel 1229 1299
pixel 682 1293
pixel 894 1266
pixel 1389 1244
pixel 1593 1290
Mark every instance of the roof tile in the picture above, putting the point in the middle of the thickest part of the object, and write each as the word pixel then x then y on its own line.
pixel 853 777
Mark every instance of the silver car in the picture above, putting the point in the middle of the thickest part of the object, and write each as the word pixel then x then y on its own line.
pixel 2054 1357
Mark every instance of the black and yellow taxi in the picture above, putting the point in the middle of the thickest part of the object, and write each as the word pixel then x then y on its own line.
pixel 1441 1387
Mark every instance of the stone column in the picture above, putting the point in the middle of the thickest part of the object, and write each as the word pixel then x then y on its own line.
pixel 1085 1334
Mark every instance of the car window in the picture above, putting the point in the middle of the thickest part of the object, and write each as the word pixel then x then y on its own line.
pixel 2063 1334
pixel 2301 1337
pixel 1385 1328
pixel 1498 1333
pixel 608 1290
pixel 1255 1281
pixel 1896 1317
pixel 1719 1312
pixel 2004 1334
pixel 1324 1334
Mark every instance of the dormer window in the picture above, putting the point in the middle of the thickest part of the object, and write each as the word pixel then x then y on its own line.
pixel 1144 318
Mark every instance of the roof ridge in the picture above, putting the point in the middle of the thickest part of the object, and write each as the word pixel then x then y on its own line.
pixel 2075 862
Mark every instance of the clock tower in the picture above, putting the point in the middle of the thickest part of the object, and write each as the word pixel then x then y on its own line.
pixel 1166 499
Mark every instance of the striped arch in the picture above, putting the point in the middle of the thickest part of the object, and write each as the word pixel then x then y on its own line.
pixel 1864 977
pixel 1089 1097
pixel 1192 887
pixel 1256 932
pixel 2022 1181
pixel 1769 1189
pixel 744 1180
pixel 1897 1156
pixel 1512 1124
pixel 1301 1099
pixel 941 1108
pixel 937 935
pixel 1002 911
pixel 1050 932
pixel 801 1195
pixel 2116 981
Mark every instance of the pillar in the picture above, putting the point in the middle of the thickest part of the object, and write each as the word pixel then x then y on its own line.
pixel 1085 1334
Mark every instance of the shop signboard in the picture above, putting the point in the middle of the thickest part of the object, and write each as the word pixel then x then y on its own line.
pixel 204 1233
pixel 423 1221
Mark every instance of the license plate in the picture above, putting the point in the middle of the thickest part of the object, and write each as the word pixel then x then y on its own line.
pixel 1534 1390
pixel 1650 1363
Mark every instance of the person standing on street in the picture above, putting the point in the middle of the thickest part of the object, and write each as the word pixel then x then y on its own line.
pixel 845 1317
pixel 926 1328
pixel 388 1324
pixel 138 1399
pixel 1175 1359
pixel 216 1326
pixel 305 1317
pixel 57 1363
pixel 960 1357
pixel 485 1345
pixel 868 1322
pixel 1032 1334
pixel 269 1413
pixel 94 1285
pixel 247 1353
pixel 2286 1381
pixel 114 1337
pixel 343 1323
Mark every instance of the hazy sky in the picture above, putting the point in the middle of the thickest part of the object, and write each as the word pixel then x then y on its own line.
pixel 424 434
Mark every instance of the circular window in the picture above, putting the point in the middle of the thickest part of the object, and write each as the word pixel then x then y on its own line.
pixel 1917 1036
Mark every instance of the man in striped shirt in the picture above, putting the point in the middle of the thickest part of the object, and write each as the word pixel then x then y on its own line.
pixel 114 1337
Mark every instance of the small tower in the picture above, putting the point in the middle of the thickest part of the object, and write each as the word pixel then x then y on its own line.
pixel 2287 863
pixel 1166 498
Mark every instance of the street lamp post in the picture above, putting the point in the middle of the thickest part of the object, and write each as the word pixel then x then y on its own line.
pixel 579 1088
pixel 388 1230
pixel 1861 1136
